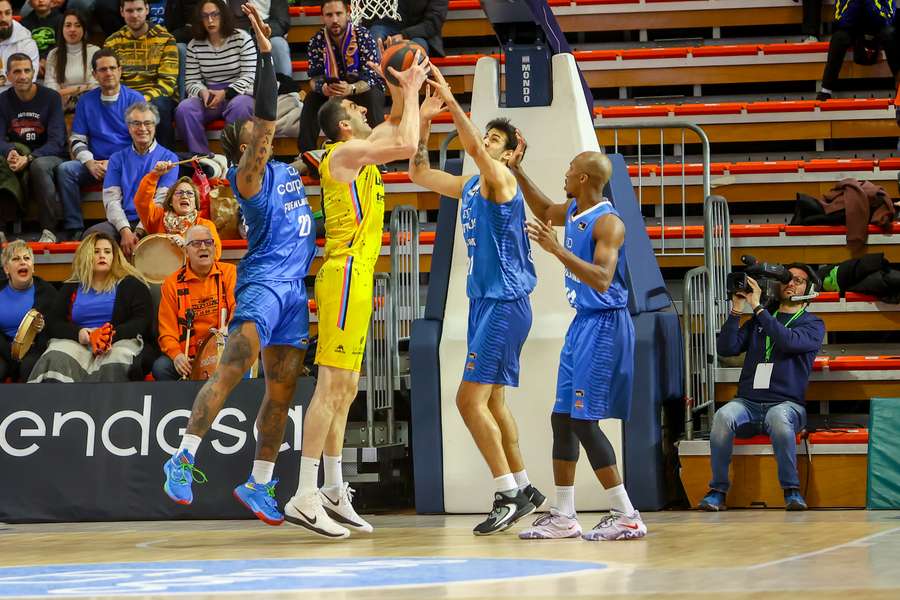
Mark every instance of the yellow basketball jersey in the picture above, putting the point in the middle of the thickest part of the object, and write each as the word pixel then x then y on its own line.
pixel 354 213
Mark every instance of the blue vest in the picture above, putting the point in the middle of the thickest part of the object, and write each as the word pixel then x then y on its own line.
pixel 580 242
pixel 500 264
pixel 281 234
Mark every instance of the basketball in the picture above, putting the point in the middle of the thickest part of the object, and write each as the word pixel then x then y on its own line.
pixel 400 56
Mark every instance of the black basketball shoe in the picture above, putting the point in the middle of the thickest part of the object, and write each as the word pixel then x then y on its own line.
pixel 508 508
pixel 535 495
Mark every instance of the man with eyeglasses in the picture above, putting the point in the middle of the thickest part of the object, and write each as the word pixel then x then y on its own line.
pixel 771 396
pixel 124 172
pixel 98 132
pixel 203 285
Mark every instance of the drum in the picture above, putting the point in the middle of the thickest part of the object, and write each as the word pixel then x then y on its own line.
pixel 157 256
pixel 208 355
pixel 25 335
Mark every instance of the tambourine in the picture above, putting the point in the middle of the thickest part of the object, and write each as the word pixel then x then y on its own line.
pixel 25 335
pixel 157 256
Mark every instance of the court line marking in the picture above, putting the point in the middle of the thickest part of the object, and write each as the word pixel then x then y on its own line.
pixel 823 550
pixel 147 545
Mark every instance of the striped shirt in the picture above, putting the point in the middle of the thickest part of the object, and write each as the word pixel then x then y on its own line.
pixel 149 63
pixel 234 63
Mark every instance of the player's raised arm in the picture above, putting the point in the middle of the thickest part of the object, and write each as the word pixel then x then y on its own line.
pixel 543 208
pixel 498 183
pixel 608 234
pixel 420 171
pixel 402 141
pixel 252 165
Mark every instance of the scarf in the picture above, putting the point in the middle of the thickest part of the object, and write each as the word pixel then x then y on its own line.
pixel 178 225
pixel 349 57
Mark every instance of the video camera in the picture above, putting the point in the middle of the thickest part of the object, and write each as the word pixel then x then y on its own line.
pixel 770 278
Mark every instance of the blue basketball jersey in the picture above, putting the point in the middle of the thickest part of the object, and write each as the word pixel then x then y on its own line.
pixel 580 241
pixel 281 237
pixel 500 264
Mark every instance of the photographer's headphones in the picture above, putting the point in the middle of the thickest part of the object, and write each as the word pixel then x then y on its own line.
pixel 813 282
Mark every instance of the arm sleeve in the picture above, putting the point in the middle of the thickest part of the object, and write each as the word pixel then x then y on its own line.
pixel 112 194
pixel 150 212
pixel 56 129
pixel 799 339
pixel 368 52
pixel 50 71
pixel 137 297
pixel 432 21
pixel 169 332
pixel 244 83
pixel 733 338
pixel 193 79
pixel 58 323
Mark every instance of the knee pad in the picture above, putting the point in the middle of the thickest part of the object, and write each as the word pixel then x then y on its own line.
pixel 600 452
pixel 565 443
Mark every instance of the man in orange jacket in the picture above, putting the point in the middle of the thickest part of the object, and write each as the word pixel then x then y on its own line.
pixel 203 286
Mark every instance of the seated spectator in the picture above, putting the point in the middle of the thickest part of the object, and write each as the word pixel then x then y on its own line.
pixel 339 57
pixel 98 131
pixel 179 211
pixel 219 75
pixel 32 143
pixel 67 69
pixel 14 39
pixel 123 174
pixel 21 292
pixel 781 348
pixel 43 22
pixel 421 22
pixel 852 20
pixel 101 321
pixel 203 285
pixel 275 15
pixel 149 60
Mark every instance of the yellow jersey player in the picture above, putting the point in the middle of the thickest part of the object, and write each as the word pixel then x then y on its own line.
pixel 353 203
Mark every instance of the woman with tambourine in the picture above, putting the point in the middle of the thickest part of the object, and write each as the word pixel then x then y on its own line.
pixel 24 299
pixel 100 325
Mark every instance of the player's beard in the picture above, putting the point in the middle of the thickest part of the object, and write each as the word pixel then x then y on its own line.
pixel 6 32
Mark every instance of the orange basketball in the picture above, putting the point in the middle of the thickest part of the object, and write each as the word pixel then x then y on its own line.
pixel 400 56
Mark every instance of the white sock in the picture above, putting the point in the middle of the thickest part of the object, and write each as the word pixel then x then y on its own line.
pixel 190 443
pixel 334 478
pixel 505 483
pixel 618 499
pixel 262 471
pixel 565 499
pixel 309 476
pixel 521 479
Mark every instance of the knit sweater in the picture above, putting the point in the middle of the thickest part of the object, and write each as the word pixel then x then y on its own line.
pixel 149 62
pixel 794 349
pixel 76 73
pixel 99 128
pixel 234 63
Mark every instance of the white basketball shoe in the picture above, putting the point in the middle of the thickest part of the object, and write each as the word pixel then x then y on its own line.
pixel 617 526
pixel 307 511
pixel 552 526
pixel 337 502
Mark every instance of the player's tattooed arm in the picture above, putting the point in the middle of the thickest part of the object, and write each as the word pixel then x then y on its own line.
pixel 543 208
pixel 421 157
pixel 420 170
pixel 252 165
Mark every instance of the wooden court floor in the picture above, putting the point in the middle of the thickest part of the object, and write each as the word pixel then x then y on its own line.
pixel 846 555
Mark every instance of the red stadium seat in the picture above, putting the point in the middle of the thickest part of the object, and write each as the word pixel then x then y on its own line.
pixel 650 110
pixel 850 436
pixel 717 108
pixel 838 164
pixel 646 53
pixel 780 166
pixel 798 48
pixel 855 104
pixel 782 106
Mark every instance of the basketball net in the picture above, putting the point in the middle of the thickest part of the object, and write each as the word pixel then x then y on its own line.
pixel 369 10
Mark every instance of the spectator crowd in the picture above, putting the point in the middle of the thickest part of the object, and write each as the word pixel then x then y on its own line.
pixel 76 115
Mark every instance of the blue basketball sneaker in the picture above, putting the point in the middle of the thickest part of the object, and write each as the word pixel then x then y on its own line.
pixel 714 501
pixel 180 474
pixel 259 498
pixel 793 500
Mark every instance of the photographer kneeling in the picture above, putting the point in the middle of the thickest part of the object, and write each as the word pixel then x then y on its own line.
pixel 781 348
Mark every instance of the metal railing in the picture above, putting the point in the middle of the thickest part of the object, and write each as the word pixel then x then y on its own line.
pixel 699 348
pixel 405 268
pixel 381 347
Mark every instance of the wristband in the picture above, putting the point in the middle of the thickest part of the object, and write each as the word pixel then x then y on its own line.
pixel 758 309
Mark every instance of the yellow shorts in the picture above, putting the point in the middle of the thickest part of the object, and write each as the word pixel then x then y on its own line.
pixel 344 300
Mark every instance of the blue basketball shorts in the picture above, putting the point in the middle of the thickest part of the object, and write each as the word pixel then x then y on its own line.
pixel 596 366
pixel 279 309
pixel 497 332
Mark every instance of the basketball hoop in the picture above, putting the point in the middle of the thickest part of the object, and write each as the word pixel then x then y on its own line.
pixel 370 10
